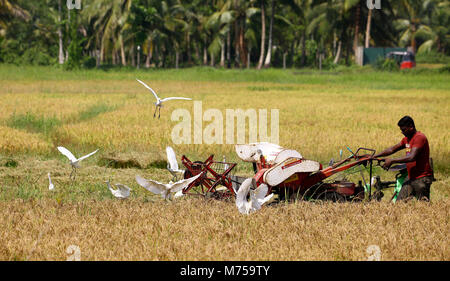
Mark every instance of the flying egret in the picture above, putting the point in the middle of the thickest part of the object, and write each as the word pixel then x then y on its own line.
pixel 257 197
pixel 165 190
pixel 158 103
pixel 73 160
pixel 172 164
pixel 121 192
pixel 50 185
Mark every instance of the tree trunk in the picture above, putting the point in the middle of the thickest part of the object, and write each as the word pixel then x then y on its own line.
pixel 284 59
pixel 338 53
pixel 236 44
pixel 149 54
pixel 97 58
pixel 334 42
pixel 211 63
pixel 102 52
pixel 132 55
pixel 138 58
pixel 248 58
pixel 61 48
pixel 347 52
pixel 242 45
pixel 293 44
pixel 269 48
pixel 205 56
pixel 228 49
pixel 177 58
pixel 320 60
pixel 413 36
pixel 188 48
pixel 196 52
pixel 113 55
pixel 303 60
pixel 122 52
pixel 263 35
pixel 222 53
pixel 369 22
pixel 357 24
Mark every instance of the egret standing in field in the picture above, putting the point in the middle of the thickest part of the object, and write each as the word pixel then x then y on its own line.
pixel 158 103
pixel 73 160
pixel 50 184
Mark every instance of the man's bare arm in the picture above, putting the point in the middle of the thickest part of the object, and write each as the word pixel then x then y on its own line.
pixel 411 157
pixel 390 150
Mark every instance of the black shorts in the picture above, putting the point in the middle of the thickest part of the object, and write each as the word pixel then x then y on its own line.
pixel 418 188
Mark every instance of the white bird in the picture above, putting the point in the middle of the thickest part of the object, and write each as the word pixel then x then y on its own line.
pixel 73 160
pixel 253 151
pixel 121 192
pixel 165 190
pixel 158 103
pixel 172 164
pixel 50 185
pixel 257 197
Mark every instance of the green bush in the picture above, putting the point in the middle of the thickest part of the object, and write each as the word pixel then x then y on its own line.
pixel 445 69
pixel 89 63
pixel 432 57
pixel 8 51
pixel 386 64
pixel 35 56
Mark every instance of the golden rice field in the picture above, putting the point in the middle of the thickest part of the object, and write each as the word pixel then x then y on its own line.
pixel 319 114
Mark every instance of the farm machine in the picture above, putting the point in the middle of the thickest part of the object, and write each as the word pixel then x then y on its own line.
pixel 290 176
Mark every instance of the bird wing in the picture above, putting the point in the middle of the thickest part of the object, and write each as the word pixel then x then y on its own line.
pixel 241 196
pixel 67 153
pixel 86 156
pixel 174 98
pixel 123 189
pixel 171 157
pixel 258 197
pixel 178 194
pixel 151 185
pixel 180 185
pixel 146 86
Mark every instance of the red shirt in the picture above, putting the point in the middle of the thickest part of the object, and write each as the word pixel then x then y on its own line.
pixel 421 167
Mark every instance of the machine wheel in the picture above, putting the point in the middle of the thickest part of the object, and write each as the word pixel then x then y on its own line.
pixel 332 196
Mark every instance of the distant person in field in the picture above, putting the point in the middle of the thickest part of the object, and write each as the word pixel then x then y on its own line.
pixel 417 161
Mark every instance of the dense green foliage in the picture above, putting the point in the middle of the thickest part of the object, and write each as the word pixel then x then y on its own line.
pixel 225 33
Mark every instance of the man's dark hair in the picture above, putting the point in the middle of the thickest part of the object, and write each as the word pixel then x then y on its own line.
pixel 406 121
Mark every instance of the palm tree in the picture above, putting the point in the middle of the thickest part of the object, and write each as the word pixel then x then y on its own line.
pixel 219 27
pixel 269 46
pixel 412 13
pixel 241 9
pixel 10 9
pixel 438 37
pixel 111 17
pixel 263 34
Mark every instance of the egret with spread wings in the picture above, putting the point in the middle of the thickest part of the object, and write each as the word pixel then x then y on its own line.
pixel 165 190
pixel 73 160
pixel 158 103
